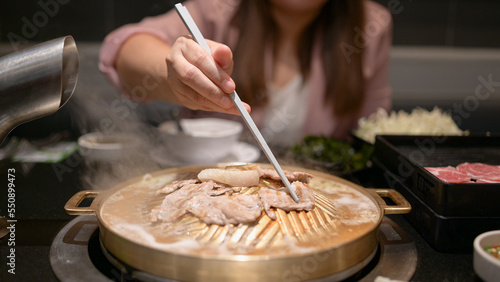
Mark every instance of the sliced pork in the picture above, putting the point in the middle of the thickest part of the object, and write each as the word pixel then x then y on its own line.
pixel 173 206
pixel 480 170
pixel 281 199
pixel 171 187
pixel 224 210
pixel 204 202
pixel 467 173
pixel 231 177
pixel 215 196
pixel 485 180
pixel 291 176
pixel 449 174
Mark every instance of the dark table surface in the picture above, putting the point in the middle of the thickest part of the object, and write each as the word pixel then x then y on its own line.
pixel 43 189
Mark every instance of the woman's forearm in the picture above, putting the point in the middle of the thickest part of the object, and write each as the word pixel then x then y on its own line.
pixel 184 74
pixel 142 69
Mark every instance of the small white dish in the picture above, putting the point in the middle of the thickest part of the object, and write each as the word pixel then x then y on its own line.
pixel 100 146
pixel 202 139
pixel 486 266
pixel 240 152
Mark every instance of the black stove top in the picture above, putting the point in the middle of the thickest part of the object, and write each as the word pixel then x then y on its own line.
pixel 43 189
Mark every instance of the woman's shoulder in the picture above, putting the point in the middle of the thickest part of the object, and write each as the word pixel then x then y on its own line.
pixel 213 17
pixel 215 9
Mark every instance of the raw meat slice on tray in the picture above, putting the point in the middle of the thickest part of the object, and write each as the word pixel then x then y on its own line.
pixel 489 179
pixel 449 174
pixel 483 180
pixel 480 170
pixel 467 172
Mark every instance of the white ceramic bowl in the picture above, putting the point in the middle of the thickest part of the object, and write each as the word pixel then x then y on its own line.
pixel 100 146
pixel 486 266
pixel 205 139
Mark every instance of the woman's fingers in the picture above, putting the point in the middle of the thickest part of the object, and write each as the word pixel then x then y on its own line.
pixel 194 101
pixel 223 56
pixel 201 80
pixel 203 74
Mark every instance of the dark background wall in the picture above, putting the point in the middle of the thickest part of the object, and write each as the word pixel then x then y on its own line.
pixel 460 23
pixel 85 20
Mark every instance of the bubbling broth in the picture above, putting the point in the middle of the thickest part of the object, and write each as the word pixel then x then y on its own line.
pixel 342 214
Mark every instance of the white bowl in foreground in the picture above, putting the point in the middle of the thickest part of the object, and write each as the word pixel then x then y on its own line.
pixel 486 265
pixel 204 139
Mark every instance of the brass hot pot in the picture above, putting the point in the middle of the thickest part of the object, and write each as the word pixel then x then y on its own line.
pixel 335 239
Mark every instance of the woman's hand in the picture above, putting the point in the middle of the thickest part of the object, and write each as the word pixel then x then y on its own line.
pixel 201 81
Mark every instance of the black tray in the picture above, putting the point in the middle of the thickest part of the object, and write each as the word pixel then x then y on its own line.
pixel 448 234
pixel 406 157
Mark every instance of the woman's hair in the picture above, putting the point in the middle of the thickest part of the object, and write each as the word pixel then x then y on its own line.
pixel 337 24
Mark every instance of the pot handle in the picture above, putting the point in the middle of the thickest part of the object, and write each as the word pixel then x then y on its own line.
pixel 72 206
pixel 402 205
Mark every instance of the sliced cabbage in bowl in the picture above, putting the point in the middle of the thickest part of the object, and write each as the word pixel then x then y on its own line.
pixel 419 122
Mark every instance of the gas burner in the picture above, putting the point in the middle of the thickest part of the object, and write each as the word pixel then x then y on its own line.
pixel 77 254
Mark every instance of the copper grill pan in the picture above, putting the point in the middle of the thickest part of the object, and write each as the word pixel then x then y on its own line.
pixel 338 235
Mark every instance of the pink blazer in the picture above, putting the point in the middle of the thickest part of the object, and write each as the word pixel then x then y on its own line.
pixel 213 17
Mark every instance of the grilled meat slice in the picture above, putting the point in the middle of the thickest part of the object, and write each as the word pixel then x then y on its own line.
pixel 205 202
pixel 281 199
pixel 291 176
pixel 224 210
pixel 171 187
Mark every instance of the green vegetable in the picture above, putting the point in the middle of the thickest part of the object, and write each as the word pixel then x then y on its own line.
pixel 345 155
pixel 493 250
